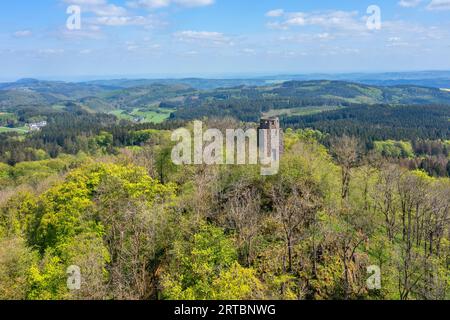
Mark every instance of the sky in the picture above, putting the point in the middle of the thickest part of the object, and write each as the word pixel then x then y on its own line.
pixel 220 38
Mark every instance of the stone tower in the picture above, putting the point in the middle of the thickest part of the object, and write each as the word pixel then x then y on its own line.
pixel 270 124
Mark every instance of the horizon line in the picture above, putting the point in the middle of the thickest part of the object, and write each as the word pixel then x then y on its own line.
pixel 205 76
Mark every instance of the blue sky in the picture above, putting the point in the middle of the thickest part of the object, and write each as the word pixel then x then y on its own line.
pixel 178 38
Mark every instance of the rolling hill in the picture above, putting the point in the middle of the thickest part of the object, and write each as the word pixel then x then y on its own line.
pixel 246 102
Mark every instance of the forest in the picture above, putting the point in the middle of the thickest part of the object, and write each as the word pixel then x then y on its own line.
pixel 362 186
pixel 141 228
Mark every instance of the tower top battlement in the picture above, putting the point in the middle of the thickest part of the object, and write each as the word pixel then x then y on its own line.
pixel 269 123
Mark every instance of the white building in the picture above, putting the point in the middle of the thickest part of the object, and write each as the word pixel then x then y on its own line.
pixel 36 126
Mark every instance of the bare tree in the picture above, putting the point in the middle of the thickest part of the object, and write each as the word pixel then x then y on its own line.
pixel 437 220
pixel 349 241
pixel 243 215
pixel 204 198
pixel 384 197
pixel 372 163
pixel 136 239
pixel 414 207
pixel 347 152
pixel 295 206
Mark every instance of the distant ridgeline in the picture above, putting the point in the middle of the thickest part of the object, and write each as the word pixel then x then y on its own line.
pixel 76 113
pixel 379 122
pixel 337 108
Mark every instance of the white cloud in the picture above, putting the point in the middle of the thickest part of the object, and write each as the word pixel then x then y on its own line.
pixel 132 48
pixel 141 47
pixel 409 3
pixel 118 21
pixel 249 51
pixel 439 5
pixel 275 13
pixel 156 4
pixel 397 42
pixel 50 52
pixel 323 36
pixel 89 31
pixel 86 2
pixel 414 31
pixel 338 20
pixel 204 37
pixel 311 38
pixel 298 19
pixel 149 4
pixel 98 7
pixel 106 14
pixel 109 10
pixel 277 25
pixel 194 3
pixel 23 33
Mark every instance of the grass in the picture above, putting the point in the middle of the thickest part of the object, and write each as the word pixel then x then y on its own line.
pixel 121 114
pixel 299 111
pixel 154 116
pixel 149 115
pixel 22 130
pixel 5 115
pixel 58 107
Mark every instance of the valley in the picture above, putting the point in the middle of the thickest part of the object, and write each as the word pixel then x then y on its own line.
pixel 87 176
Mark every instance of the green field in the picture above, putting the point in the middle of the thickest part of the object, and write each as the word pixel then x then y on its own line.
pixel 121 114
pixel 148 115
pixel 58 107
pixel 299 111
pixel 5 115
pixel 18 130
pixel 4 118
